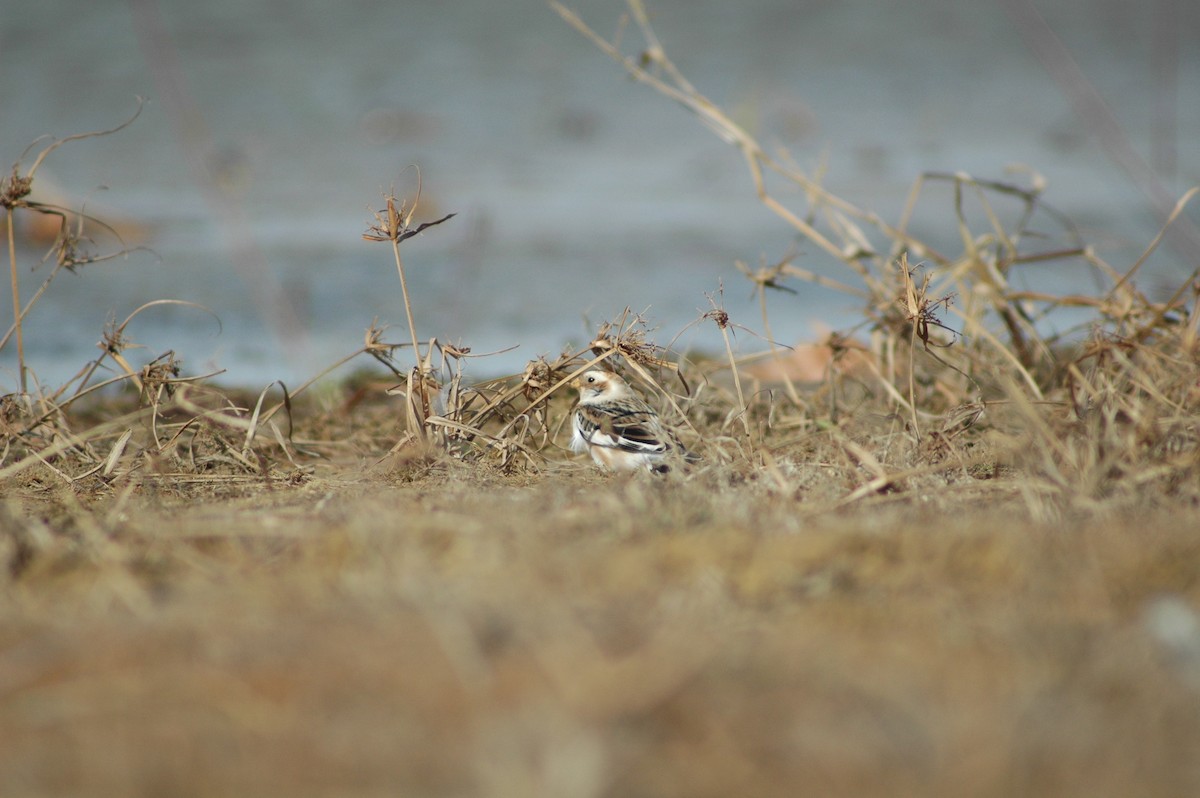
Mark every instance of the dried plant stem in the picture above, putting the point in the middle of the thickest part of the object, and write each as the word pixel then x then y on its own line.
pixel 737 380
pixel 682 92
pixel 412 325
pixel 913 306
pixel 16 297
pixel 415 405
pixel 912 382
pixel 395 225
pixel 33 300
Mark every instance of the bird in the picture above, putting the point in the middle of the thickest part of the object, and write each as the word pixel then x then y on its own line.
pixel 618 429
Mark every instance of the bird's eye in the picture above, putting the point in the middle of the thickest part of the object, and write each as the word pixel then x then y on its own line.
pixel 591 380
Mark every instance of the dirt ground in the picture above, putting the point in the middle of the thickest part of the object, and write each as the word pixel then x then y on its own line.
pixel 442 629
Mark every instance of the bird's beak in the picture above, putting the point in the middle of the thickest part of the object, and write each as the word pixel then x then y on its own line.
pixel 575 383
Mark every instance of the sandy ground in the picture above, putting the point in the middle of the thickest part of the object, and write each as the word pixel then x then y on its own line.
pixel 440 629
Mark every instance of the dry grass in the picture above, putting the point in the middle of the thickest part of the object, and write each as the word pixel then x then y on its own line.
pixel 583 636
pixel 962 559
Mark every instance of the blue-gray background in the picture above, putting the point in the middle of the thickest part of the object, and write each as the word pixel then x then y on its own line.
pixel 577 191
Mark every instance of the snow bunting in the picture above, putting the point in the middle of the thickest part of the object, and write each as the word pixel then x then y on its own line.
pixel 618 429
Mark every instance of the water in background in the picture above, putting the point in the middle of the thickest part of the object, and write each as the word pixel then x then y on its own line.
pixel 273 128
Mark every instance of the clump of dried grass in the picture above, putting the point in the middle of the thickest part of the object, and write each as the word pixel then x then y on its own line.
pixel 962 370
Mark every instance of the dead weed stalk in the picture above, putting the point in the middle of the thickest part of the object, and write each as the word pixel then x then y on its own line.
pixel 15 189
pixel 395 224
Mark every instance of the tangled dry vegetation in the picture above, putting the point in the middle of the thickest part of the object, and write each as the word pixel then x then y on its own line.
pixel 944 552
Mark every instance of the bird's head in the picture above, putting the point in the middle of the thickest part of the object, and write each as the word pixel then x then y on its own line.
pixel 600 386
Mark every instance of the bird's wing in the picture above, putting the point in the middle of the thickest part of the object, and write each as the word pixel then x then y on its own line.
pixel 630 429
